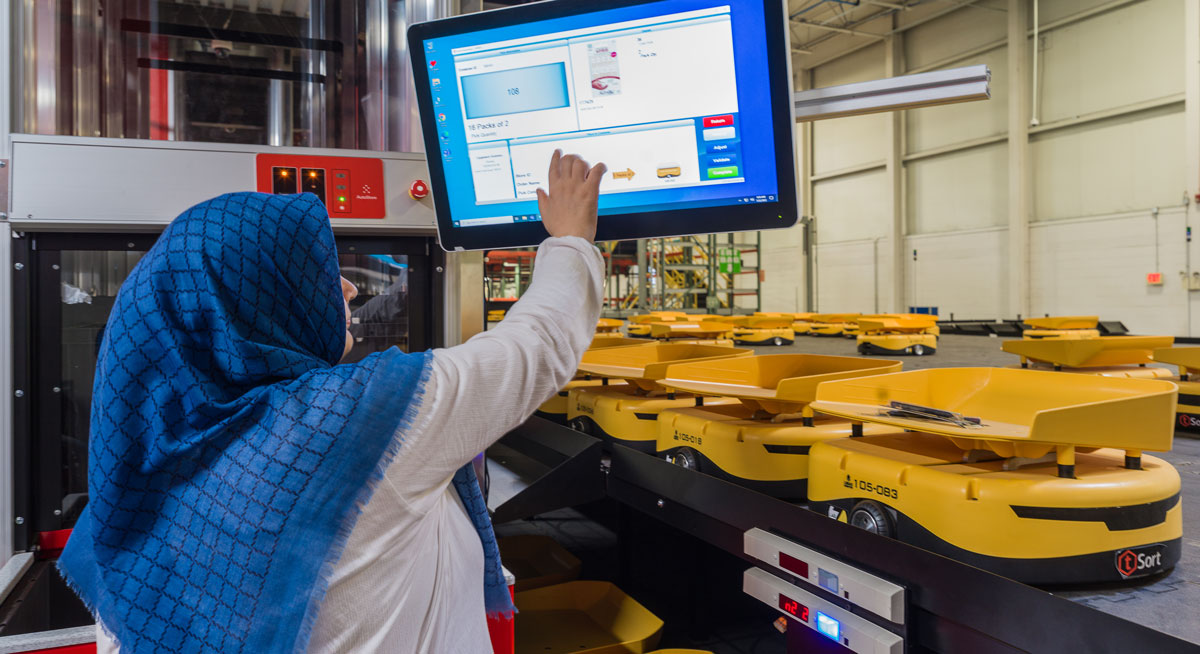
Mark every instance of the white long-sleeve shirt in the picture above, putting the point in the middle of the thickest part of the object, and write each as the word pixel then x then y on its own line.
pixel 411 577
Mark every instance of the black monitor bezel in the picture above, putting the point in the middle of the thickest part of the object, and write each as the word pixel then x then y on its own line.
pixel 781 213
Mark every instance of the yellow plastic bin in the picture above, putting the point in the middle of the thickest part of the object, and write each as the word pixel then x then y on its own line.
pixel 584 617
pixel 538 561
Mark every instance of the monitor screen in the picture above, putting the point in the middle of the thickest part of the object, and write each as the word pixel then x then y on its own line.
pixel 679 98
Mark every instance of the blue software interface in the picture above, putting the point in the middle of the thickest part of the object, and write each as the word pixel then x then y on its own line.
pixel 672 96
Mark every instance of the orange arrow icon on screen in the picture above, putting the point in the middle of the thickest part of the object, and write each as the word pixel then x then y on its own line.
pixel 624 174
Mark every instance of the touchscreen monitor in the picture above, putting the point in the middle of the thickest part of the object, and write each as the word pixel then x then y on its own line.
pixel 687 102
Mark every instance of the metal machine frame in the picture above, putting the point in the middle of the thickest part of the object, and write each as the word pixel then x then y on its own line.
pixel 97 213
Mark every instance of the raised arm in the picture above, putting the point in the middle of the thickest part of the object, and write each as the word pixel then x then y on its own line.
pixel 485 387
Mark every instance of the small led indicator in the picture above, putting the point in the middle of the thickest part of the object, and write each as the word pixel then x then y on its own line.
pixel 829 627
pixel 341 198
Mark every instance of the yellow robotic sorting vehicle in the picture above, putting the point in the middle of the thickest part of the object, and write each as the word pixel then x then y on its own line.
pixel 1061 327
pixel 639 326
pixel 900 335
pixel 705 332
pixel 609 326
pixel 1030 474
pixel 1187 410
pixel 763 441
pixel 802 323
pixel 1108 356
pixel 628 414
pixel 763 330
pixel 555 408
pixel 832 324
pixel 853 327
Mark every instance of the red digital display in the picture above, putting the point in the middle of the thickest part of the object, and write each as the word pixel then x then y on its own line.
pixel 793 608
pixel 793 565
pixel 350 187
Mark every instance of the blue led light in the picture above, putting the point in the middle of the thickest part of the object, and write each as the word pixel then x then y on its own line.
pixel 828 626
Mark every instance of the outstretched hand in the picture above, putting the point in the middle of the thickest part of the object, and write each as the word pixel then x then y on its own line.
pixel 569 208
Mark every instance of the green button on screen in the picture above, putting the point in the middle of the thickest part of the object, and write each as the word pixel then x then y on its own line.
pixel 724 171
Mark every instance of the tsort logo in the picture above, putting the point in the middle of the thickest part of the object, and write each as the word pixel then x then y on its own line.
pixel 1139 559
pixel 1189 421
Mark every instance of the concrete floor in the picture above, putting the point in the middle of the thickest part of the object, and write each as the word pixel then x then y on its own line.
pixel 1167 603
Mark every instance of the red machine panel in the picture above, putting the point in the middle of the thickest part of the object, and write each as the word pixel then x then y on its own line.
pixel 351 187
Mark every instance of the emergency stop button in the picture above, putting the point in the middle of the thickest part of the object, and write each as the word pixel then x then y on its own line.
pixel 419 190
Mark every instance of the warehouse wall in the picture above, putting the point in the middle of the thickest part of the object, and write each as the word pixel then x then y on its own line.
pixel 1109 147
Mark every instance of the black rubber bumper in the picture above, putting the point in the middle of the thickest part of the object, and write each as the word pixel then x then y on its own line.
pixel 794 490
pixel 869 348
pixel 592 429
pixel 1094 568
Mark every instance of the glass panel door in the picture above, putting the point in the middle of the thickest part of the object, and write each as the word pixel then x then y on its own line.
pixel 74 287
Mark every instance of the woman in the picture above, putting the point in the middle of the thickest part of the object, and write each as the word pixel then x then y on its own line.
pixel 248 494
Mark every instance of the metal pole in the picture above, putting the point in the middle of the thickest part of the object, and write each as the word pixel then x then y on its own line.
pixel 894 93
pixel 316 118
pixel 1191 172
pixel 1019 195
pixel 279 106
pixel 894 66
pixel 9 93
pixel 643 291
pixel 661 274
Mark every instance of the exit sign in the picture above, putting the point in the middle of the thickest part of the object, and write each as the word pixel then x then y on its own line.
pixel 1154 279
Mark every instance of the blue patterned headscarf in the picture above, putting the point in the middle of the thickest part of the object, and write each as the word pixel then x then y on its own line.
pixel 230 454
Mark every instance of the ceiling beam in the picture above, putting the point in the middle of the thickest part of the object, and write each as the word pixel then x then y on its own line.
pixel 840 30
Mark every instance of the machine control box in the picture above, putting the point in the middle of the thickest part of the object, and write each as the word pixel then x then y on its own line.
pixel 881 597
pixel 134 183
pixel 350 187
pixel 835 623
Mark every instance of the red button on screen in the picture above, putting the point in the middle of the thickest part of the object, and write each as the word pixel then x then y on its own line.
pixel 718 121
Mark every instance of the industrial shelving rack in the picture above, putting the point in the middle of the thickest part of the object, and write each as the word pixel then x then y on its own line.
pixel 709 273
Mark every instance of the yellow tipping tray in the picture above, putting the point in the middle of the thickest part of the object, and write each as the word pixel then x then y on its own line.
pixel 1023 413
pixel 601 341
pixel 1187 358
pixel 659 316
pixel 1090 353
pixel 765 322
pixel 897 324
pixel 643 365
pixel 607 325
pixel 705 329
pixel 834 317
pixel 585 617
pixel 756 321
pixel 775 383
pixel 1063 322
